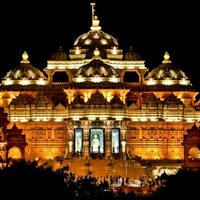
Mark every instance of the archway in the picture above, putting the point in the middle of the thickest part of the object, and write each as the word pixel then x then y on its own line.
pixel 131 77
pixel 60 77
pixel 194 153
pixel 14 153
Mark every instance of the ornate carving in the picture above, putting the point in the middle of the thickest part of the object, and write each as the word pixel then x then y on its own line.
pixel 97 99
pixel 116 103
pixel 173 101
pixel 78 102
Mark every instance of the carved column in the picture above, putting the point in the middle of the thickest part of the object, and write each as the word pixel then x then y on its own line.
pixel 108 143
pixel 123 138
pixel 108 127
pixel 86 128
pixel 70 128
pixel 70 143
pixel 123 143
pixel 49 75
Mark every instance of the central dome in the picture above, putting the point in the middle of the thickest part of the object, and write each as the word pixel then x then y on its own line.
pixel 96 38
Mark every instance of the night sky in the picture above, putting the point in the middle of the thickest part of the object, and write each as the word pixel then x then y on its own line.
pixel 151 28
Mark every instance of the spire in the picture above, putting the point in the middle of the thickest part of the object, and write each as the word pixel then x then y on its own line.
pixel 95 21
pixel 93 10
pixel 166 58
pixel 25 57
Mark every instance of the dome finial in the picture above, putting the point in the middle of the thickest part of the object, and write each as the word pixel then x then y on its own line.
pixel 95 24
pixel 25 57
pixel 95 21
pixel 166 58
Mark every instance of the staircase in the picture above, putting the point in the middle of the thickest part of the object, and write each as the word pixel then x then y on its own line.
pixel 106 167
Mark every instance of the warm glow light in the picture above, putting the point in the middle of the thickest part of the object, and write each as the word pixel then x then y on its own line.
pixel 24 82
pixel 151 81
pixel 96 52
pixel 166 58
pixel 45 119
pixel 77 51
pixel 25 57
pixel 15 153
pixel 172 119
pixel 103 118
pixel 119 118
pixel 96 79
pixel 76 118
pixel 153 119
pixel 36 119
pixel 114 79
pixel 92 117
pixel 95 24
pixel 103 41
pixel 23 119
pixel 79 79
pixel 143 119
pixel 134 119
pixel 184 82
pixel 58 119
pixel 190 119
pixel 8 81
pixel 114 50
pixel 40 81
pixel 167 82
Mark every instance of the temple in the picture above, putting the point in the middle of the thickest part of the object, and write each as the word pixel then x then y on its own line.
pixel 97 102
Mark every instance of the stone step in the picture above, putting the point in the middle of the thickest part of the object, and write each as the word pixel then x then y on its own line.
pixel 103 168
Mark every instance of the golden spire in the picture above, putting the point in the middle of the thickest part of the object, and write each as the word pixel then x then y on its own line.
pixel 93 9
pixel 25 57
pixel 166 58
pixel 95 21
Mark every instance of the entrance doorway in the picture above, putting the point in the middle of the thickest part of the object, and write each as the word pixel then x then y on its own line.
pixel 97 141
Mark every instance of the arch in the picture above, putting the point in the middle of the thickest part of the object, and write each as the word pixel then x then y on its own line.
pixel 194 153
pixel 131 76
pixel 15 153
pixel 60 77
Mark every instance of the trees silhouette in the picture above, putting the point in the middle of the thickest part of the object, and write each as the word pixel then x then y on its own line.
pixel 24 180
pixel 184 184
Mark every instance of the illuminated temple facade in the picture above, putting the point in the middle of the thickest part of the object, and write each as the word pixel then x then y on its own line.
pixel 96 99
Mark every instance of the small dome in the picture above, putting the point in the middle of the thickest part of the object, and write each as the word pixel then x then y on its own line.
pixel 132 55
pixel 24 71
pixel 59 55
pixel 167 71
pixel 96 69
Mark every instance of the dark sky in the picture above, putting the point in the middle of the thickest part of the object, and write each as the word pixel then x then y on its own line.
pixel 150 27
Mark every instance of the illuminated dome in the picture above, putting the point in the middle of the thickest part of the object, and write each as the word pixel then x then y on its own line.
pixel 59 55
pixel 24 74
pixel 95 38
pixel 167 74
pixel 96 71
pixel 132 55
